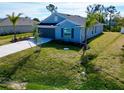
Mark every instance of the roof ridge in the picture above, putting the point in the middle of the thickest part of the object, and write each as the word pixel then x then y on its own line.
pixel 70 15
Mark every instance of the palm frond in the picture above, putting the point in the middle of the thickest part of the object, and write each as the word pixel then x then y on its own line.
pixel 91 20
pixel 13 18
pixel 20 14
pixel 10 17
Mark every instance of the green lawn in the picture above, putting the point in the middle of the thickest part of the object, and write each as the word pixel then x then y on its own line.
pixel 54 68
pixel 7 38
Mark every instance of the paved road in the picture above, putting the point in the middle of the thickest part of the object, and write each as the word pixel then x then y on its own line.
pixel 19 46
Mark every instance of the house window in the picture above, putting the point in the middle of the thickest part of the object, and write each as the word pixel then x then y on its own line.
pixel 56 18
pixel 92 31
pixel 67 33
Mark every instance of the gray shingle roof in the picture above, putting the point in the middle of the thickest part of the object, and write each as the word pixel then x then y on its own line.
pixel 75 18
pixel 21 21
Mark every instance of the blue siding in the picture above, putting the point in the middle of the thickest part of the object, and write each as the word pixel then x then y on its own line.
pixel 82 33
pixel 51 19
pixel 98 28
pixel 67 24
pixel 94 32
pixel 78 32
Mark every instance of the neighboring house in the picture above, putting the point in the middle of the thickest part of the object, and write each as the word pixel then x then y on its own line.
pixel 67 27
pixel 23 25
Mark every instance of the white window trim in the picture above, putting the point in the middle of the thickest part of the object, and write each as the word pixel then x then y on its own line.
pixel 64 32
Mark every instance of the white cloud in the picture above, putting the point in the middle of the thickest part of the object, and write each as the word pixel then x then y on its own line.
pixel 39 9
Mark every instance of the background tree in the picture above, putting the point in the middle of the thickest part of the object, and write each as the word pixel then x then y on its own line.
pixel 27 17
pixel 105 15
pixel 36 19
pixel 111 12
pixel 98 10
pixel 51 8
pixel 120 21
pixel 13 19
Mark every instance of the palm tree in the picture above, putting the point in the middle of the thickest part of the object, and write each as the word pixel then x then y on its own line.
pixel 36 34
pixel 13 19
pixel 94 15
pixel 36 37
pixel 90 21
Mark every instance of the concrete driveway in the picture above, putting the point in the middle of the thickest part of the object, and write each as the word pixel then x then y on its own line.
pixel 19 46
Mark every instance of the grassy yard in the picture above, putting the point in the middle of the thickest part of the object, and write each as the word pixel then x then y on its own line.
pixel 54 68
pixel 6 39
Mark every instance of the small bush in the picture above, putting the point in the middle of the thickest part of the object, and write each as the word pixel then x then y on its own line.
pixel 116 29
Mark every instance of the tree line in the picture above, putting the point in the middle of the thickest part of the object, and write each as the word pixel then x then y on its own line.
pixel 108 15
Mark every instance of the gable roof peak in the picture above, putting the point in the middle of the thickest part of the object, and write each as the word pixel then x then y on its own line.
pixel 75 18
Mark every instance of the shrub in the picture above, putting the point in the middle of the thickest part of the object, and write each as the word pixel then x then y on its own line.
pixel 116 29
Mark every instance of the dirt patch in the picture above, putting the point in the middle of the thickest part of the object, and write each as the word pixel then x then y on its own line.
pixel 16 85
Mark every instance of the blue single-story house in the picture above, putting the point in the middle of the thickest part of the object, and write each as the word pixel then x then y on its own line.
pixel 67 27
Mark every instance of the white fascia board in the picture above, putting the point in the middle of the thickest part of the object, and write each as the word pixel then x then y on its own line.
pixel 61 22
pixel 81 26
pixel 45 26
pixel 67 21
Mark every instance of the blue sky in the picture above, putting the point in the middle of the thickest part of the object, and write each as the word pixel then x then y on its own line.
pixel 39 10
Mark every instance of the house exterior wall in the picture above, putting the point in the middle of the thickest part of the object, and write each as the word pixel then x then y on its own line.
pixel 99 28
pixel 67 24
pixel 79 32
pixel 19 29
pixel 52 19
pixel 92 32
pixel 82 34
